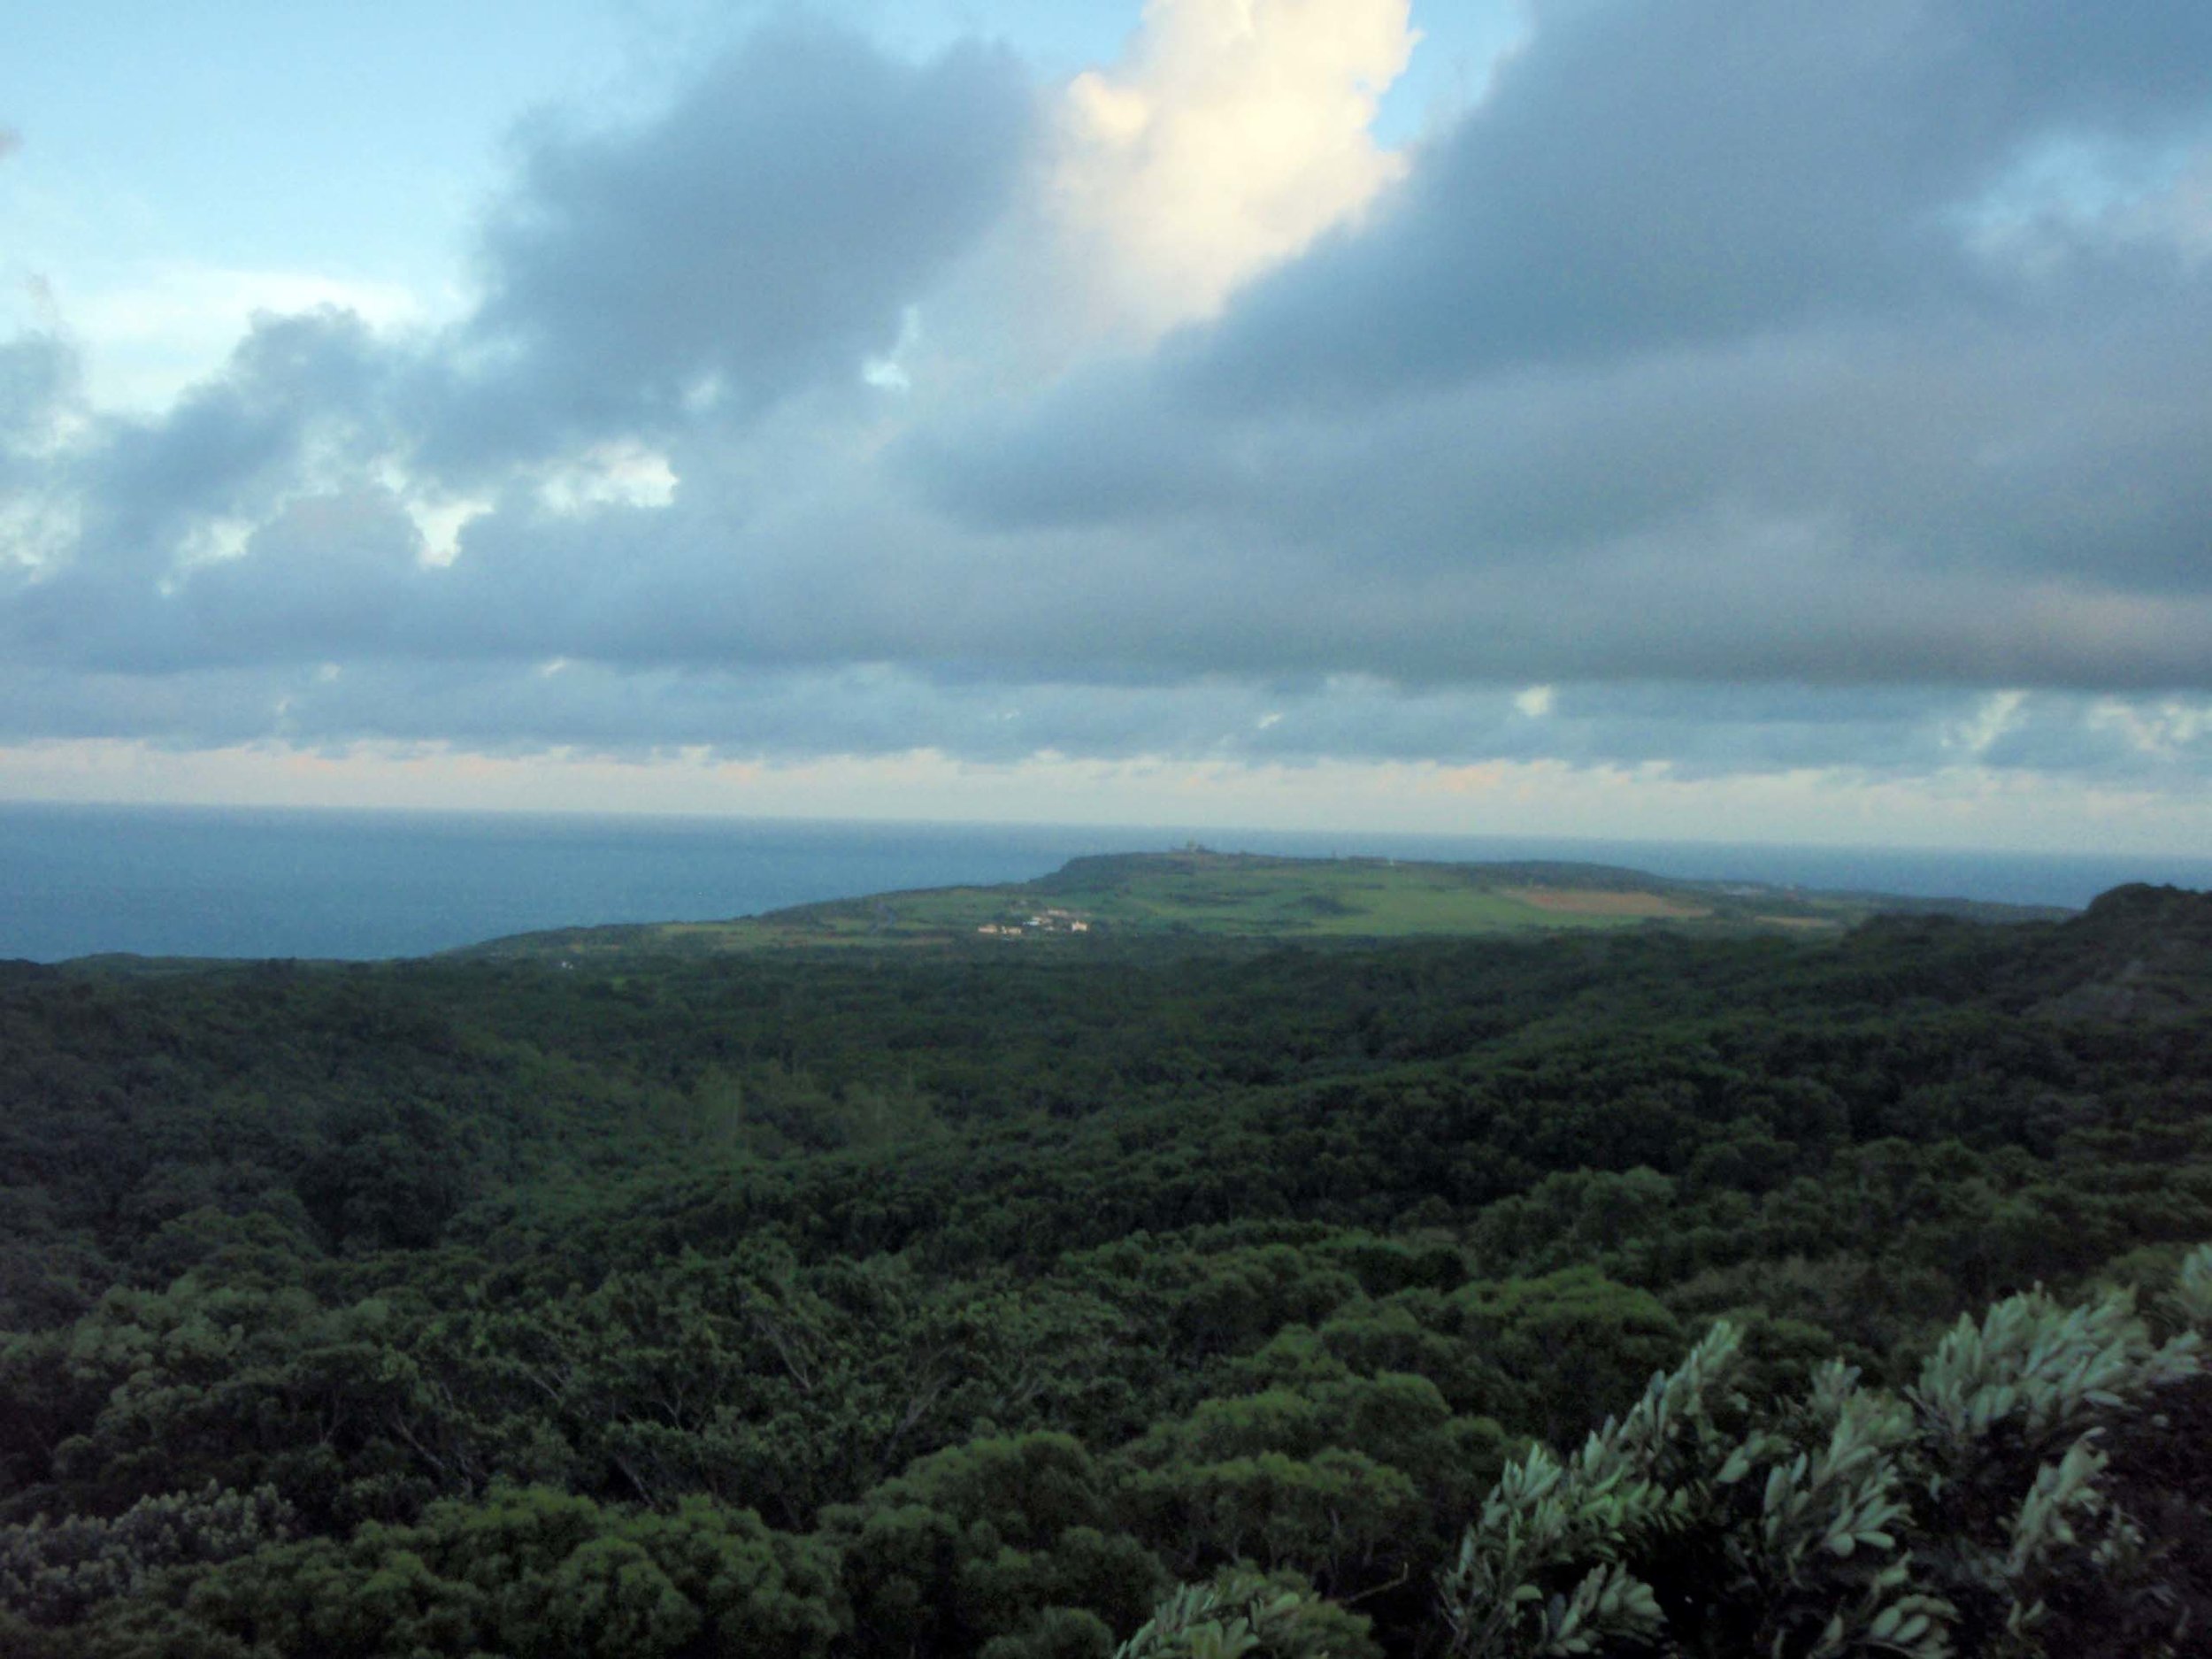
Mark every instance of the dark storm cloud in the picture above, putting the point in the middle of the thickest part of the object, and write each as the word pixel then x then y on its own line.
pixel 792 716
pixel 231 450
pixel 1724 341
pixel 340 571
pixel 1721 370
pixel 1648 174
pixel 1984 445
pixel 233 443
pixel 762 235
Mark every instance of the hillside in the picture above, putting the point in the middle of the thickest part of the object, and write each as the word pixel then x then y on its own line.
pixel 1197 894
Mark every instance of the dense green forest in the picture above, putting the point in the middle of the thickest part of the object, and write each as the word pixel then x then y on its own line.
pixel 1617 1292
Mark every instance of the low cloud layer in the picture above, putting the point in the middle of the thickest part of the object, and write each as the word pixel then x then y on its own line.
pixel 1734 388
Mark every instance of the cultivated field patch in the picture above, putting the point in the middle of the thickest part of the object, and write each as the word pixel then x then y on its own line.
pixel 1605 902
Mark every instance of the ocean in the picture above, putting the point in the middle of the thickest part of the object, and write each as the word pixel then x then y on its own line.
pixel 206 882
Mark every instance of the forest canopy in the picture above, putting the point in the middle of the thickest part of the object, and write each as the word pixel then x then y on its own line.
pixel 1634 1290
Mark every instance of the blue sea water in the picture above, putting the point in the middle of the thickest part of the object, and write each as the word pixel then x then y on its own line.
pixel 253 882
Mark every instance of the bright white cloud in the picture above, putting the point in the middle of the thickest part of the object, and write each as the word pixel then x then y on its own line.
pixel 1994 716
pixel 214 539
pixel 1233 133
pixel 2160 729
pixel 621 473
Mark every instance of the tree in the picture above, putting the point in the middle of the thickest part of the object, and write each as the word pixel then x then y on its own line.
pixel 1978 1512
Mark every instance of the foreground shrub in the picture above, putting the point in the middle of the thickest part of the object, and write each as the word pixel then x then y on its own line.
pixel 1992 1508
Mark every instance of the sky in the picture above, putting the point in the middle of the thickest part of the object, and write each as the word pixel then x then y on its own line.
pixel 1728 419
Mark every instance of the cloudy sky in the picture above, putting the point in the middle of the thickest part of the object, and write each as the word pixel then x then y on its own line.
pixel 1736 419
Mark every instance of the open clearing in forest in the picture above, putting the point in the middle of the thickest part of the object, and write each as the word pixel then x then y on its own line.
pixel 1597 901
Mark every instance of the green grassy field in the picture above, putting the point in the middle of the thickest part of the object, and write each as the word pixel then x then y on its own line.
pixel 1197 895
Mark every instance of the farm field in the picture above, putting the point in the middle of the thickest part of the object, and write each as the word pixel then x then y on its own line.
pixel 1200 893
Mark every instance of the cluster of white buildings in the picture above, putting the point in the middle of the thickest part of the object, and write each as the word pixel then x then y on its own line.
pixel 1043 922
